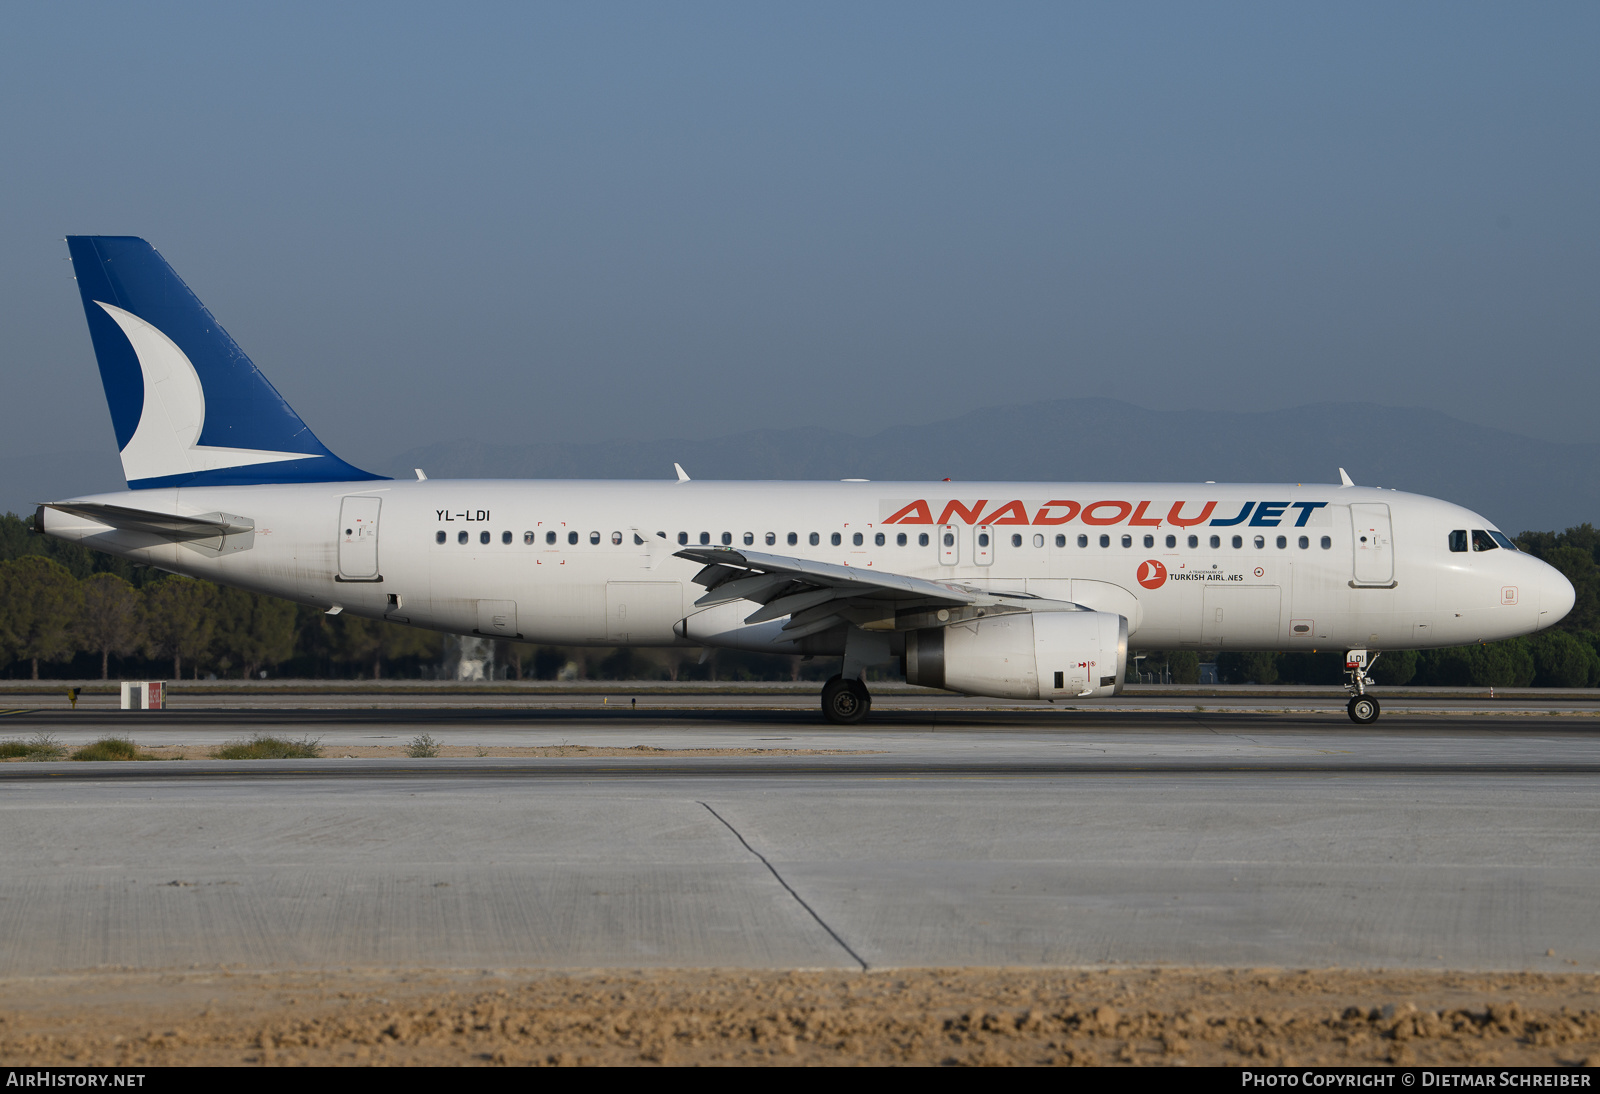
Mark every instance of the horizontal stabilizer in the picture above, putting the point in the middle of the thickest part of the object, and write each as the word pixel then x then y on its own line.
pixel 171 526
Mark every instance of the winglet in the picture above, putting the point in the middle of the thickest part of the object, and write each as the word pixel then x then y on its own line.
pixel 422 476
pixel 1344 478
pixel 683 476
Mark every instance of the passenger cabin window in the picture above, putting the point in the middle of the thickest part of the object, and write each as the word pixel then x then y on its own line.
pixel 814 539
pixel 1327 542
pixel 949 539
pixel 1127 541
pixel 1260 542
pixel 1482 542
pixel 900 539
pixel 550 537
pixel 835 539
pixel 683 539
pixel 749 538
pixel 483 537
pixel 1038 540
pixel 594 537
pixel 983 539
pixel 705 539
pixel 1149 541
pixel 461 537
pixel 878 540
pixel 1305 541
pixel 1194 541
pixel 922 539
pixel 1105 541
pixel 572 537
pixel 616 539
pixel 772 538
pixel 527 538
pixel 727 539
pixel 1083 541
pixel 1216 541
pixel 440 537
pixel 794 538
pixel 1283 541
pixel 1238 542
pixel 856 539
pixel 1172 541
pixel 1458 540
pixel 1061 541
pixel 505 537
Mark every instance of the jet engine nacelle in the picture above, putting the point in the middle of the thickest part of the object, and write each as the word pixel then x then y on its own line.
pixel 1037 655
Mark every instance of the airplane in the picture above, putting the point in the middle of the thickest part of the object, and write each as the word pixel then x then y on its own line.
pixel 1014 590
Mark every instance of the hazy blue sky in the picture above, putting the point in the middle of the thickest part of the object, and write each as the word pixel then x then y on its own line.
pixel 590 221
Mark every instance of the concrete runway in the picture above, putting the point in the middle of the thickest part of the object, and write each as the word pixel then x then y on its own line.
pixel 968 836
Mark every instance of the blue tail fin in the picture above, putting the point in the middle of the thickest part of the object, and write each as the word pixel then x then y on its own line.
pixel 189 408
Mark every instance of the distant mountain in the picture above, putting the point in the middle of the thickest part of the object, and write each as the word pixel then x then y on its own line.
pixel 1520 483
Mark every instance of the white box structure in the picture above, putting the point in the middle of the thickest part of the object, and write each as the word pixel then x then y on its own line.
pixel 144 694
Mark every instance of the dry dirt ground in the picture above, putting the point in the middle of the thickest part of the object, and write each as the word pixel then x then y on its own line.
pixel 686 1017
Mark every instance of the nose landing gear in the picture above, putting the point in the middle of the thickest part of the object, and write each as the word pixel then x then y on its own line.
pixel 845 702
pixel 1363 708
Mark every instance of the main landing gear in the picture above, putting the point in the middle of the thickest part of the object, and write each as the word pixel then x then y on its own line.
pixel 845 702
pixel 1363 708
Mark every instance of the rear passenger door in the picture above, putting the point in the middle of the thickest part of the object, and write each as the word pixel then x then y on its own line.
pixel 358 539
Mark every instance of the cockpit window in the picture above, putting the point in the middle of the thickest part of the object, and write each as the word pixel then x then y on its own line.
pixel 1500 538
pixel 1458 540
pixel 1482 542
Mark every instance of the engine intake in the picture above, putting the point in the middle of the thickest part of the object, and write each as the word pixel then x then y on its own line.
pixel 1039 655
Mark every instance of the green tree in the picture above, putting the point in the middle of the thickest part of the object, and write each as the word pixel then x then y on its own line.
pixel 1507 664
pixel 372 641
pixel 1247 668
pixel 252 629
pixel 110 618
pixel 39 603
pixel 180 621
pixel 1562 661
pixel 1184 665
pixel 1395 667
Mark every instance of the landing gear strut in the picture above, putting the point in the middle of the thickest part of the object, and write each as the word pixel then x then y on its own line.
pixel 1363 708
pixel 845 702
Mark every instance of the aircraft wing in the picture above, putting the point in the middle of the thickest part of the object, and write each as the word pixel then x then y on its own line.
pixel 820 595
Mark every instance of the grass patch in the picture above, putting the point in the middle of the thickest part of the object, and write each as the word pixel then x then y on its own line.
pixel 422 747
pixel 41 746
pixel 110 748
pixel 269 748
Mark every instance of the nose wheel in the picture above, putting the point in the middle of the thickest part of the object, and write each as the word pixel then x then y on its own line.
pixel 1363 710
pixel 845 702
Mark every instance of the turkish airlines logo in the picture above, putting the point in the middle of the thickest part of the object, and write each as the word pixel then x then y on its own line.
pixel 1152 574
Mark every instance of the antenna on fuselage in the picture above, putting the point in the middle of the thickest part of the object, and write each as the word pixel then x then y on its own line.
pixel 1344 478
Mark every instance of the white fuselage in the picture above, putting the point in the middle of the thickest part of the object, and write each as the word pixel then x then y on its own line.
pixel 1313 567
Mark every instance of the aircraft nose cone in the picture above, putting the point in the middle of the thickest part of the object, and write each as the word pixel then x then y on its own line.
pixel 1556 597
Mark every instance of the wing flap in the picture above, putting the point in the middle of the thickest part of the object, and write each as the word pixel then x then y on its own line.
pixel 725 564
